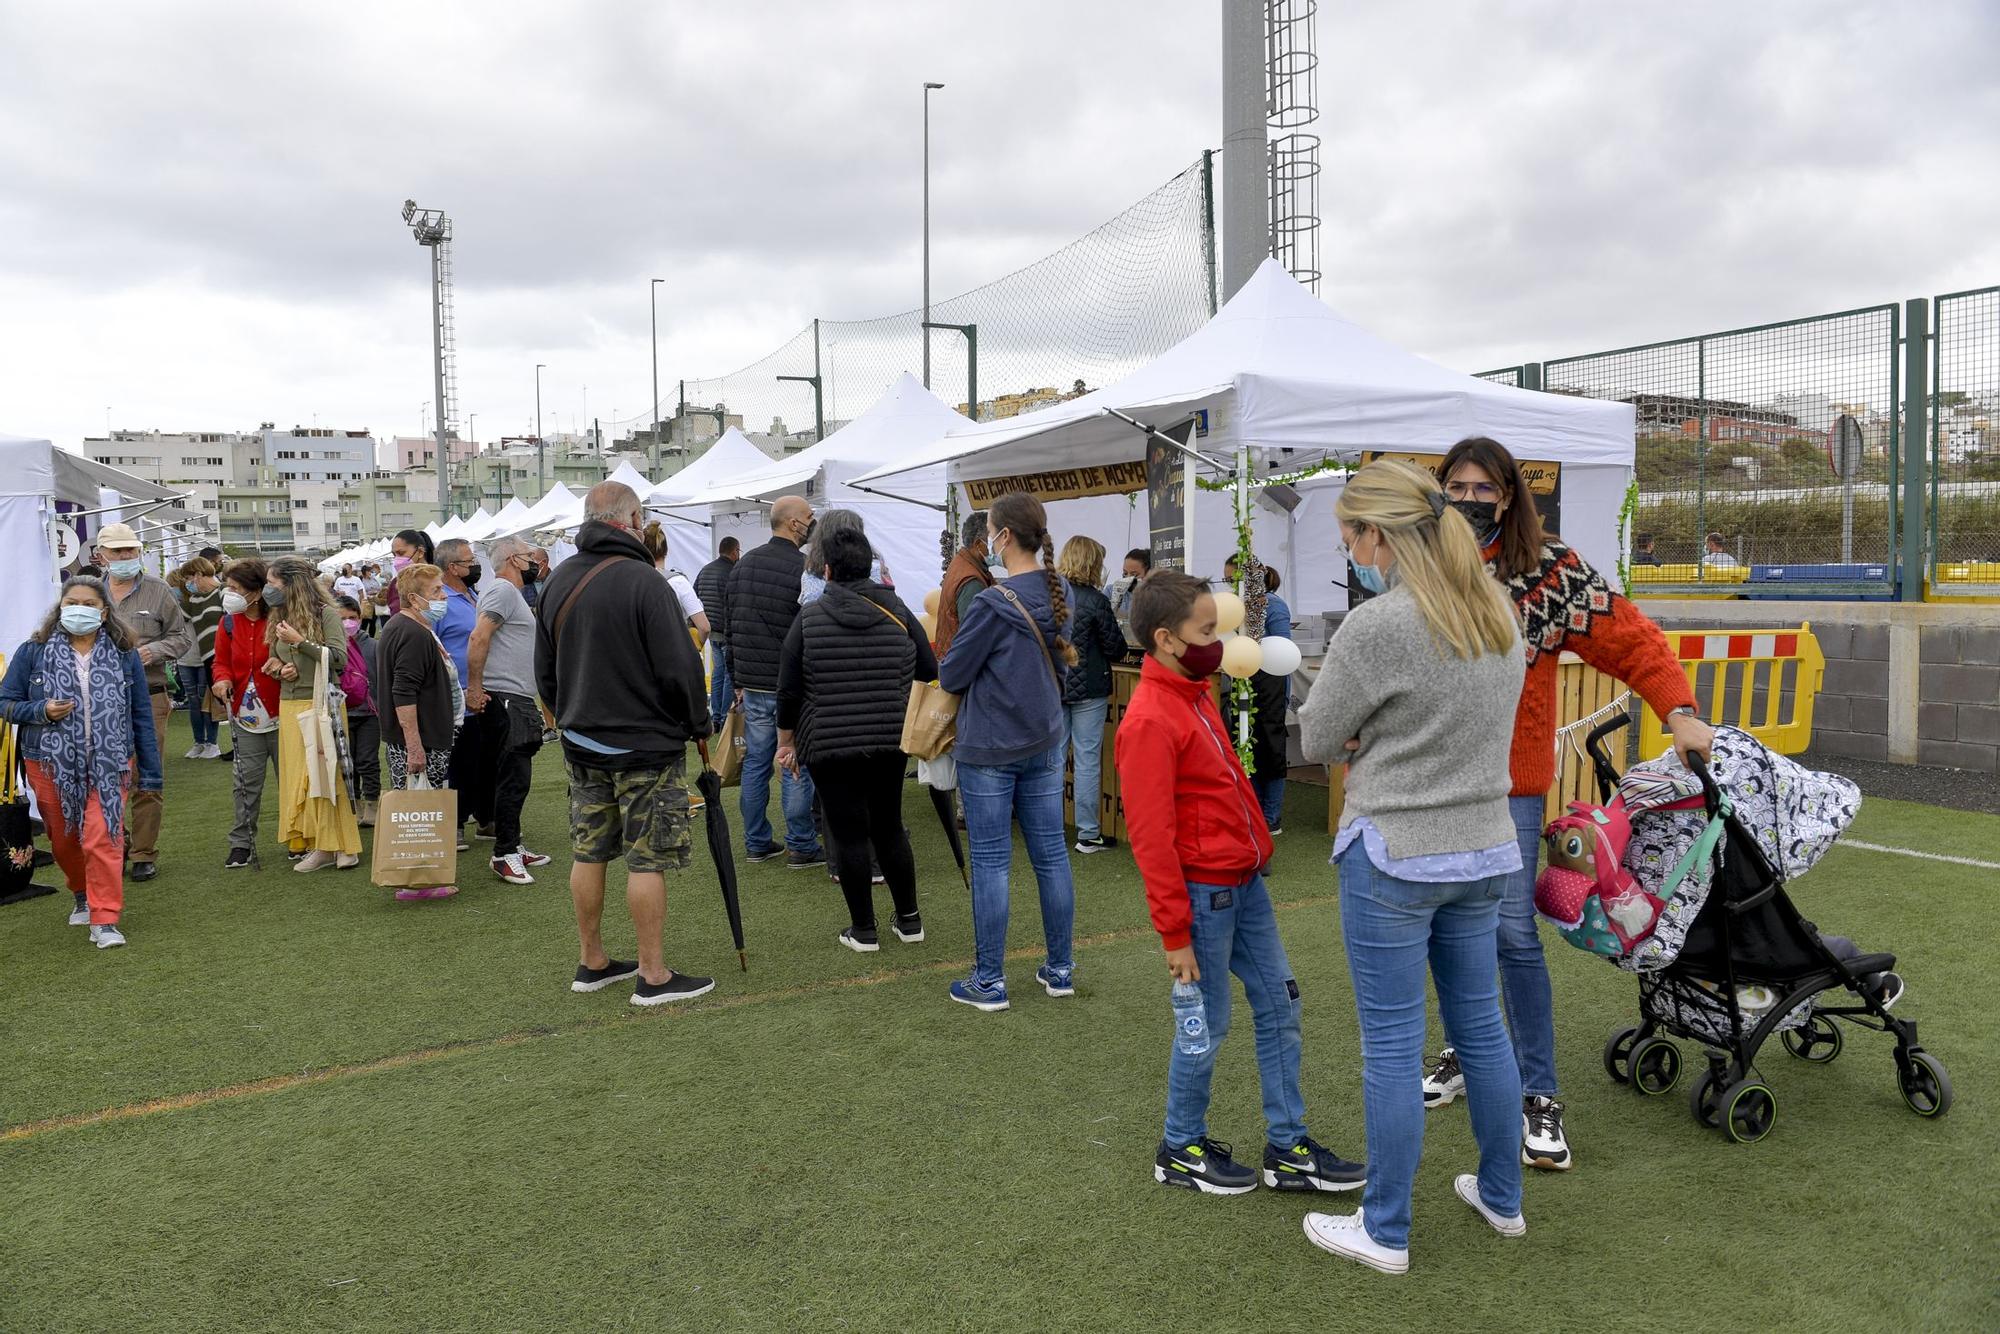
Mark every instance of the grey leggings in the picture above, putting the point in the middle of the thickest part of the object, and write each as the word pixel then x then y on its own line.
pixel 255 752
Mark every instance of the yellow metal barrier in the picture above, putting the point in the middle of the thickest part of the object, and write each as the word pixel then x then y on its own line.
pixel 1965 581
pixel 1746 678
pixel 1645 579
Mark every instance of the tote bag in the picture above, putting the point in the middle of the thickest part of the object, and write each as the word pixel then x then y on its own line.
pixel 930 721
pixel 322 748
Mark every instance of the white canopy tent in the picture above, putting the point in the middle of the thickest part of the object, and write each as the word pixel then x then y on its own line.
pixel 1281 375
pixel 731 456
pixel 478 525
pixel 551 511
pixel 903 518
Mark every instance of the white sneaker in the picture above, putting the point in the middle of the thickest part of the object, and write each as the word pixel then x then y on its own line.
pixel 1444 1083
pixel 211 751
pixel 1467 1186
pixel 1343 1234
pixel 195 752
pixel 511 869
pixel 106 937
pixel 313 861
pixel 1543 1143
pixel 79 914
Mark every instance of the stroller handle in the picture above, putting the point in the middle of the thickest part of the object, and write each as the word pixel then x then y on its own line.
pixel 1607 776
pixel 1711 795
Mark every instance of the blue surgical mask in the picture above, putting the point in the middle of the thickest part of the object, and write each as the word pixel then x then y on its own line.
pixel 126 569
pixel 1371 578
pixel 435 609
pixel 81 620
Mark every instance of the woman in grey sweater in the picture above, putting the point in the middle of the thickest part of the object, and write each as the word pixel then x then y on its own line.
pixel 1422 681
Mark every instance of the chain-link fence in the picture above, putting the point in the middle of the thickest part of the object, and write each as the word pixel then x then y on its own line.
pixel 1965 444
pixel 1514 377
pixel 1768 453
pixel 1080 318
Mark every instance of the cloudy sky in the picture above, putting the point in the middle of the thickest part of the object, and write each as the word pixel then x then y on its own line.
pixel 199 218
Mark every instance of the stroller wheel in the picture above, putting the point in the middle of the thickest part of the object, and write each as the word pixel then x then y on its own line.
pixel 1618 1053
pixel 1817 1040
pixel 1926 1087
pixel 1656 1066
pixel 1706 1100
pixel 1748 1111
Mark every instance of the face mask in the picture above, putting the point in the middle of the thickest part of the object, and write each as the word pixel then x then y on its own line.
pixel 995 560
pixel 434 611
pixel 532 573
pixel 274 595
pixel 126 569
pixel 79 620
pixel 1371 578
pixel 1201 661
pixel 353 628
pixel 234 602
pixel 400 563
pixel 1483 518
pixel 472 577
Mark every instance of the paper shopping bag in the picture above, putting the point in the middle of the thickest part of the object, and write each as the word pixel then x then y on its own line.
pixel 732 743
pixel 930 723
pixel 416 837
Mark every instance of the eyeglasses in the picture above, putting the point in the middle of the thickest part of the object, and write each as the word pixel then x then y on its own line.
pixel 1472 490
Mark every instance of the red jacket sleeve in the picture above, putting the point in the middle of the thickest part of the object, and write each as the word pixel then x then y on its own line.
pixel 1628 645
pixel 1148 757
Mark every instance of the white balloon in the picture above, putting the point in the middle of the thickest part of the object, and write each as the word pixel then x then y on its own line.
pixel 1281 656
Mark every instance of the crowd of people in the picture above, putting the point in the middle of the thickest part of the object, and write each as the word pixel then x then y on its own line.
pixel 1438 693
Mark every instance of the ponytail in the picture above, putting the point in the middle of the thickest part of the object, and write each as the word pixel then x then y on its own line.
pixel 1023 516
pixel 1437 557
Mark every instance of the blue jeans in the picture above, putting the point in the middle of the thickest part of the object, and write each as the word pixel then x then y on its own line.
pixel 720 695
pixel 1271 796
pixel 1031 791
pixel 760 727
pixel 195 682
pixel 1235 931
pixel 1086 738
pixel 1524 972
pixel 1392 928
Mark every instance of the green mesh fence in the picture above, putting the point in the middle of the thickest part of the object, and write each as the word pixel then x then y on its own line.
pixel 1965 445
pixel 1779 440
pixel 1091 312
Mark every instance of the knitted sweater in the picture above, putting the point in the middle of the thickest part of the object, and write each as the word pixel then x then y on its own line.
pixel 1565 604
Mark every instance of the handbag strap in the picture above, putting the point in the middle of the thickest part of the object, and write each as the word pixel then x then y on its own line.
pixel 1040 638
pixel 562 612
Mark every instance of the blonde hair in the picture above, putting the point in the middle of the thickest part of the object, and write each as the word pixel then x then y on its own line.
pixel 1437 557
pixel 1082 561
pixel 410 576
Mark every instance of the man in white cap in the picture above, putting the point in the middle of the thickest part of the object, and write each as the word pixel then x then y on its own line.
pixel 162 635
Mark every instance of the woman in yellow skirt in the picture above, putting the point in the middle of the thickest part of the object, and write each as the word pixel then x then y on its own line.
pixel 305 626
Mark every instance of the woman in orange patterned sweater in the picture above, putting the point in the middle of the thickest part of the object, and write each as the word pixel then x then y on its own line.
pixel 1564 604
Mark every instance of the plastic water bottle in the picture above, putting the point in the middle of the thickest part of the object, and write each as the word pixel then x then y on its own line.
pixel 1190 1019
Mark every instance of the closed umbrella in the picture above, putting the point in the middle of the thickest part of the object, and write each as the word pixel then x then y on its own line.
pixel 720 847
pixel 948 817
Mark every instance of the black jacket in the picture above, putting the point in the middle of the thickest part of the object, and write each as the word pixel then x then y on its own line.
pixel 763 597
pixel 1099 643
pixel 844 675
pixel 625 672
pixel 712 587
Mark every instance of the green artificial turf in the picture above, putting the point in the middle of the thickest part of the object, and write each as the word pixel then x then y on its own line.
pixel 828 1142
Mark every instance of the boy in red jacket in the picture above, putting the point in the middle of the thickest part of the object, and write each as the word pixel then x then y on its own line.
pixel 1199 836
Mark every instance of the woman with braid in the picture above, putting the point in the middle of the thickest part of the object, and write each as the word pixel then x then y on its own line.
pixel 1007 663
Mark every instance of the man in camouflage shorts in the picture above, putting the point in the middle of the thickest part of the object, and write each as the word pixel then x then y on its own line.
pixel 614 663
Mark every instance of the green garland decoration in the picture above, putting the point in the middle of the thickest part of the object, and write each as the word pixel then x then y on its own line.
pixel 1625 513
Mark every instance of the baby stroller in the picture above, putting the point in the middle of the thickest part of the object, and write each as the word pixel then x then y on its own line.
pixel 1732 926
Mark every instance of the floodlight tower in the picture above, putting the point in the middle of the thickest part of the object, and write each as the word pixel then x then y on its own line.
pixel 433 229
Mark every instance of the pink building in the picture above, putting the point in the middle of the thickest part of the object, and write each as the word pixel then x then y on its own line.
pixel 420 451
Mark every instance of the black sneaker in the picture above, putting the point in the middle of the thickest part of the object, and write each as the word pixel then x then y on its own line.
pixel 1310 1165
pixel 860 941
pixel 597 979
pixel 143 871
pixel 1090 845
pixel 1444 1082
pixel 762 854
pixel 238 859
pixel 805 861
pixel 1206 1166
pixel 910 930
pixel 677 987
pixel 1543 1143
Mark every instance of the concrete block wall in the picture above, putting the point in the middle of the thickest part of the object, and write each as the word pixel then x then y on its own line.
pixel 1908 683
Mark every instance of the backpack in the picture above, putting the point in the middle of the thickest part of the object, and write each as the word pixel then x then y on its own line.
pixel 354 677
pixel 1585 892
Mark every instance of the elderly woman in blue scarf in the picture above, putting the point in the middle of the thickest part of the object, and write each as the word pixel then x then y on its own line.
pixel 77 692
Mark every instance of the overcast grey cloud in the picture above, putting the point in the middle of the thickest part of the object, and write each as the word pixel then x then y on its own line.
pixel 200 206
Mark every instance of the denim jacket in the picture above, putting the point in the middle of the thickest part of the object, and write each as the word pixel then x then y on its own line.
pixel 24 702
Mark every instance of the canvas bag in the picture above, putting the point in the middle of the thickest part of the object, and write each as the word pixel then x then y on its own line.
pixel 322 748
pixel 732 743
pixel 416 837
pixel 17 839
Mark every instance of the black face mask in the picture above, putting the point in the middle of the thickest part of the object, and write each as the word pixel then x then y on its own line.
pixel 1482 516
pixel 532 573
pixel 472 577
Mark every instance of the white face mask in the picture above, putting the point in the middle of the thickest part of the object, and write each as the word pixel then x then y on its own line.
pixel 234 602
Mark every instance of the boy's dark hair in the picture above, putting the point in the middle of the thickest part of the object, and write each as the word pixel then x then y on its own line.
pixel 730 546
pixel 848 555
pixel 348 604
pixel 1163 601
pixel 1140 554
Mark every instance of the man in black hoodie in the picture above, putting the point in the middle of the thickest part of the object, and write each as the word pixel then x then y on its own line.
pixel 613 659
pixel 763 595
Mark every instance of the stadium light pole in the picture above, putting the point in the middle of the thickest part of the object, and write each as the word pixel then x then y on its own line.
pixel 653 292
pixel 432 230
pixel 929 88
pixel 541 467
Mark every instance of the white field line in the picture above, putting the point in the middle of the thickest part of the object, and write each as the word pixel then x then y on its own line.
pixel 1912 852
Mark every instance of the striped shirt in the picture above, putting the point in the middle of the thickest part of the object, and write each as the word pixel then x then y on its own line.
pixel 204 614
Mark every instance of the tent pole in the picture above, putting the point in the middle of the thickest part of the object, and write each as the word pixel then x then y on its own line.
pixel 1246 707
